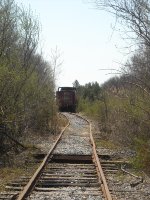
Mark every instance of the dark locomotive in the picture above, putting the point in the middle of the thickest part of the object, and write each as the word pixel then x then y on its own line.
pixel 66 99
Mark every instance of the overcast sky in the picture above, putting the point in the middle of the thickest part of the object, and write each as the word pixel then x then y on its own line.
pixel 83 35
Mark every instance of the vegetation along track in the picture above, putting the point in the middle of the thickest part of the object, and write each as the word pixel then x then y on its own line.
pixel 71 169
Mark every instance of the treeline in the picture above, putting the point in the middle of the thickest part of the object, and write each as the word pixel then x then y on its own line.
pixel 89 91
pixel 88 97
pixel 26 79
pixel 128 108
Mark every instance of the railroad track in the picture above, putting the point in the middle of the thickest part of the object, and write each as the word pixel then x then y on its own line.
pixel 71 169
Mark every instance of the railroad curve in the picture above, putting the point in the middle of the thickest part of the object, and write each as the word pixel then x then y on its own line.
pixel 71 170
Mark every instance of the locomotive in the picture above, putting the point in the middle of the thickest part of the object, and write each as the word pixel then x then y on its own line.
pixel 66 99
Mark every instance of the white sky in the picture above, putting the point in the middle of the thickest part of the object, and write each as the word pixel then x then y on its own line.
pixel 82 34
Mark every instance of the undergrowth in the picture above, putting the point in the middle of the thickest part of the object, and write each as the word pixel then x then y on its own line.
pixel 124 121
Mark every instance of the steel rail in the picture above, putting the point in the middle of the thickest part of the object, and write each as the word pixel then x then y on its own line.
pixel 30 185
pixel 99 169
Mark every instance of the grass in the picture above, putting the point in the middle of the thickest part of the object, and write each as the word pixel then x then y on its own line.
pixel 105 143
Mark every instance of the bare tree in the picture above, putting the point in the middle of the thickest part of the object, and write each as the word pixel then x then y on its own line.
pixel 134 14
pixel 8 22
pixel 55 61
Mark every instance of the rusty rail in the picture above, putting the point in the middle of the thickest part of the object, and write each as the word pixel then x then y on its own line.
pixel 99 169
pixel 30 185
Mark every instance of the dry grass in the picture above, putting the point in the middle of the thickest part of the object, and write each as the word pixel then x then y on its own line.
pixel 105 144
pixel 62 121
pixel 23 164
pixel 8 174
